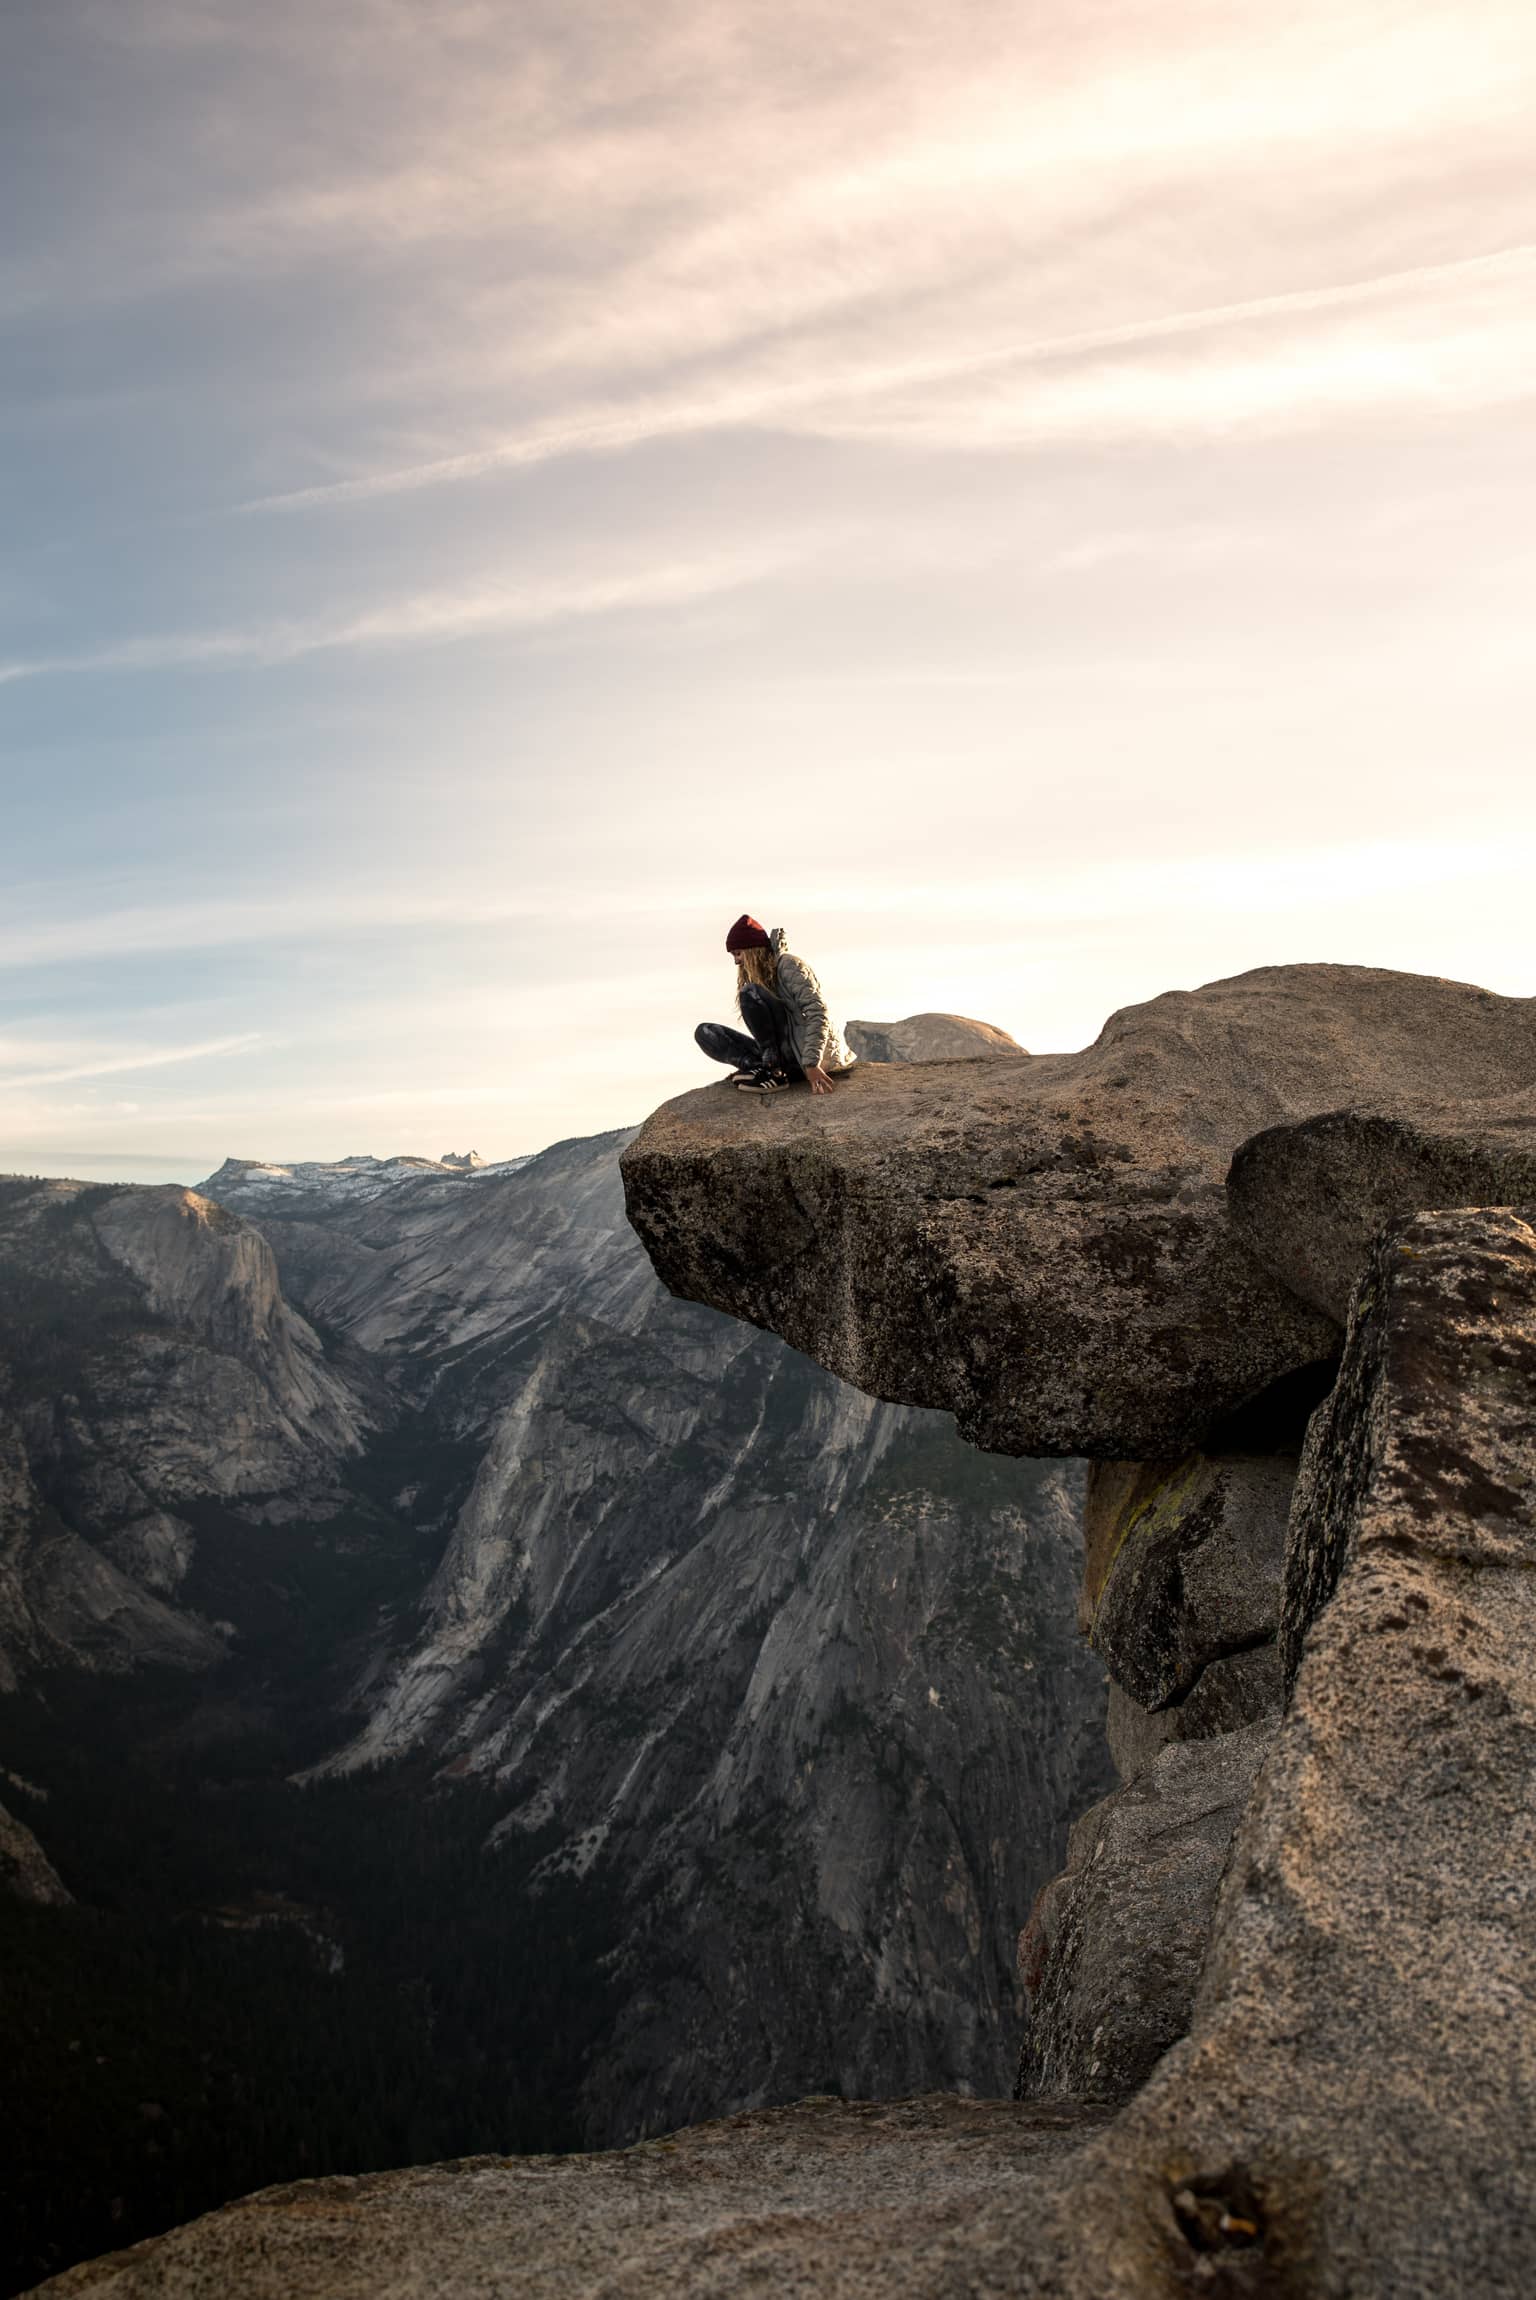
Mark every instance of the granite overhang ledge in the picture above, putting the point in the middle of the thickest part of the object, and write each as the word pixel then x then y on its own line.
pixel 1045 1247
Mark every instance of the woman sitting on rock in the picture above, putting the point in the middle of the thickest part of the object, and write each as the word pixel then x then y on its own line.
pixel 780 1001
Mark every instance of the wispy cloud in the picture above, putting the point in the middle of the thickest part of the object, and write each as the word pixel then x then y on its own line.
pixel 223 921
pixel 411 901
pixel 876 395
pixel 430 617
pixel 575 231
pixel 114 1064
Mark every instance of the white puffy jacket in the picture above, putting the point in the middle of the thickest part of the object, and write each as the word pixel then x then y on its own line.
pixel 817 1043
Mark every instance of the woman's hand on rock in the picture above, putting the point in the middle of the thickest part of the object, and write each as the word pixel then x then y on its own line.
pixel 817 1080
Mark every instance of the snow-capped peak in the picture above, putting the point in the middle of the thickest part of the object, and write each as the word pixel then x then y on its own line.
pixel 252 1185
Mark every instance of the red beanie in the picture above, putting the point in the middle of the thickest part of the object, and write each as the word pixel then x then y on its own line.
pixel 746 934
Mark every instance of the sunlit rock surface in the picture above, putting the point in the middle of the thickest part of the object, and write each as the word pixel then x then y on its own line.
pixel 1044 1246
pixel 929 1038
pixel 824 2201
pixel 1309 1197
pixel 1361 2065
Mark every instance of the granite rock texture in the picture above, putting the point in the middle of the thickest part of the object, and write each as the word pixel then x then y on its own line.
pixel 1361 2066
pixel 63 1600
pixel 1232 1692
pixel 824 2201
pixel 1194 1577
pixel 930 1038
pixel 156 1549
pixel 1044 1245
pixel 1347 2113
pixel 1112 1952
pixel 1182 1603
pixel 1309 1198
pixel 1425 1450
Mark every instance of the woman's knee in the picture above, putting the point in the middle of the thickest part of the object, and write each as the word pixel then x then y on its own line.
pixel 720 1043
pixel 758 1004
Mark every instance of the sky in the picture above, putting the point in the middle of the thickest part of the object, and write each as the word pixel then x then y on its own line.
pixel 1036 501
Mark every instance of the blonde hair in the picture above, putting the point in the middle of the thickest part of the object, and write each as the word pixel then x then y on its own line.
pixel 758 966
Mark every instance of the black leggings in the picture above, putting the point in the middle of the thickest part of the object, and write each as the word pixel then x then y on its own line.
pixel 772 1043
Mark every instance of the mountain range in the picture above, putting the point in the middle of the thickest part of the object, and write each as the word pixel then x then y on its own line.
pixel 716 1723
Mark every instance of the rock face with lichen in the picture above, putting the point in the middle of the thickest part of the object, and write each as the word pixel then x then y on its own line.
pixel 1181 1598
pixel 1192 1584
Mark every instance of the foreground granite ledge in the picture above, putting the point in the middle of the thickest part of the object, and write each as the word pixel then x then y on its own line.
pixel 827 2200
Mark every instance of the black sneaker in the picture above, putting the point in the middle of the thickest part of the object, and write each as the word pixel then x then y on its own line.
pixel 762 1082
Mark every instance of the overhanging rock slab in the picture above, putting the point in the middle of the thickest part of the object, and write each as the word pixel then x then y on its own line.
pixel 1044 1245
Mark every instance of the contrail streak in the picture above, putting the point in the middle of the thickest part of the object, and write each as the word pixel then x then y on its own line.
pixel 607 432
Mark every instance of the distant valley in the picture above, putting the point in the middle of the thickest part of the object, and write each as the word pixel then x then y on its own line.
pixel 472 1700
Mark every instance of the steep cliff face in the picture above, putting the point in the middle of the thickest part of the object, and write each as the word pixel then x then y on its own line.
pixel 149 1366
pixel 62 1600
pixel 442 1276
pixel 26 1873
pixel 1357 2079
pixel 782 1679
pixel 796 1670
